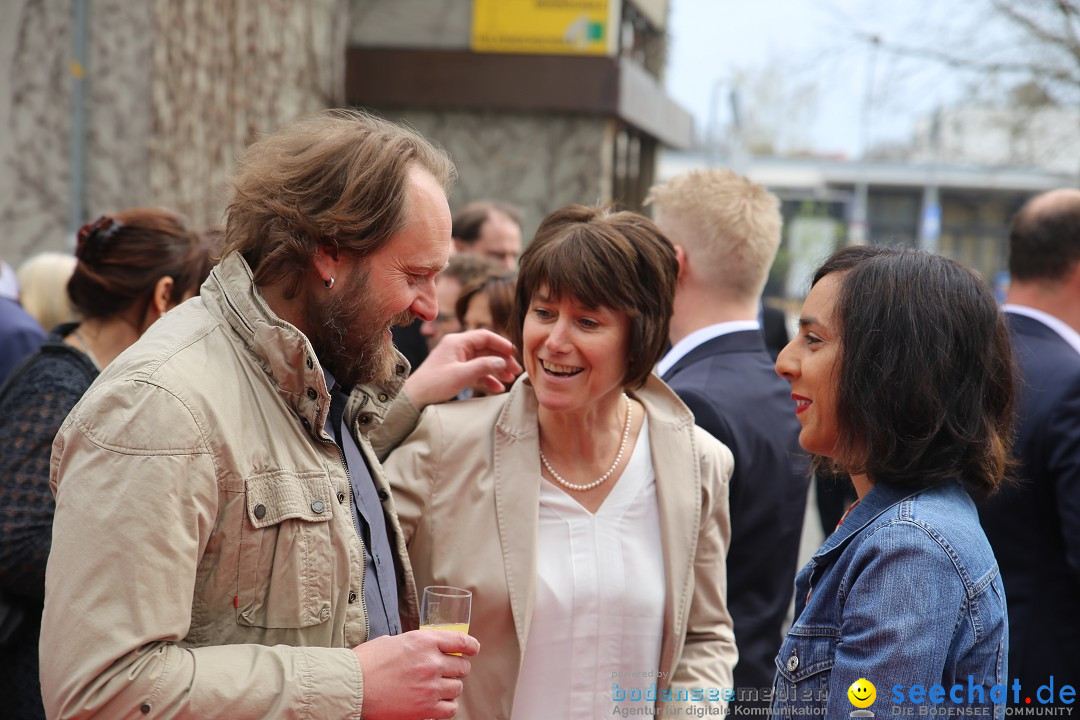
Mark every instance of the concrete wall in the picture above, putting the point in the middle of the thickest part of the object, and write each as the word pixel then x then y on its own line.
pixel 419 24
pixel 36 89
pixel 175 89
pixel 226 73
pixel 536 162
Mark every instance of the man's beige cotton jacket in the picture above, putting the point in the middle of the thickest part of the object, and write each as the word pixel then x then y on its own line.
pixel 204 560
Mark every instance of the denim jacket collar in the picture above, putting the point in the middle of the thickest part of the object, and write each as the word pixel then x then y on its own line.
pixel 873 504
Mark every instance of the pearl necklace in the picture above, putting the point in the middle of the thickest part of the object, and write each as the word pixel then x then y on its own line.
pixel 618 458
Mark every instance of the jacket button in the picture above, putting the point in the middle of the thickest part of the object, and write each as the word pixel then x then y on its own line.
pixel 383 397
pixel 305 423
pixel 400 369
pixel 793 662
pixel 310 364
pixel 352 598
pixel 260 511
pixel 312 394
pixel 341 497
pixel 365 419
pixel 145 708
pixel 317 506
pixel 383 494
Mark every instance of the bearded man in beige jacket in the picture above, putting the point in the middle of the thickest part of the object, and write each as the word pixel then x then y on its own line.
pixel 225 543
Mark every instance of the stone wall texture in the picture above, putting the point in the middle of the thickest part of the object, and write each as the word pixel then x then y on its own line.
pixel 175 89
pixel 536 162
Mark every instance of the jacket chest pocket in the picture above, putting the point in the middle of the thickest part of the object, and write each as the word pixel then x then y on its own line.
pixel 286 563
pixel 803 667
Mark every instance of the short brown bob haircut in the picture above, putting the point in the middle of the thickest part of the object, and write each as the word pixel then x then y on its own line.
pixel 339 178
pixel 599 258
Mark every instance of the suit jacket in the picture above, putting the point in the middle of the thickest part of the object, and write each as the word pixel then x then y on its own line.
pixel 1034 524
pixel 730 386
pixel 467 483
pixel 774 329
pixel 410 342
pixel 20 335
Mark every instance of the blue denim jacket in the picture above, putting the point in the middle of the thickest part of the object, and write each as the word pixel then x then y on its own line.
pixel 905 592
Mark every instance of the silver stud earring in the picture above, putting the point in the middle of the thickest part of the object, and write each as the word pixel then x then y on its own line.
pixel 329 283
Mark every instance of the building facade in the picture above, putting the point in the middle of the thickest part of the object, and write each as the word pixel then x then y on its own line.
pixel 111 104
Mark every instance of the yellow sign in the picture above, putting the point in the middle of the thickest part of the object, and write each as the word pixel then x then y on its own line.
pixel 547 27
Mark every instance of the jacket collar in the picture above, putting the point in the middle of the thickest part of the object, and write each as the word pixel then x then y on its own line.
pixel 283 352
pixel 880 498
pixel 740 341
pixel 515 458
pixel 1035 323
pixel 518 418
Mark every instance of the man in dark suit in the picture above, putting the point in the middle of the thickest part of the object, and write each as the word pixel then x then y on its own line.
pixel 1034 524
pixel 726 232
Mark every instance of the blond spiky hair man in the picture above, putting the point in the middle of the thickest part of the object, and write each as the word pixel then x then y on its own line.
pixel 726 231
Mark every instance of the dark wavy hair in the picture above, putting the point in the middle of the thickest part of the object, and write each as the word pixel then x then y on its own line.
pixel 618 260
pixel 925 375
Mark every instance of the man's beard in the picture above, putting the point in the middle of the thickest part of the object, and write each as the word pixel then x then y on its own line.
pixel 348 333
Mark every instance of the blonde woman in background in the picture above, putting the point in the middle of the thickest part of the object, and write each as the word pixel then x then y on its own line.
pixel 43 283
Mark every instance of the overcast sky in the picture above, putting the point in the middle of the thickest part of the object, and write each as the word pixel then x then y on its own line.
pixel 818 87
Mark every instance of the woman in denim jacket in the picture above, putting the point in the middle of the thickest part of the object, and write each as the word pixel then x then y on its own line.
pixel 902 377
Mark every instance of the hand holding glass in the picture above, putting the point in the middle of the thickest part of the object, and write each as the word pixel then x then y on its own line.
pixel 445 608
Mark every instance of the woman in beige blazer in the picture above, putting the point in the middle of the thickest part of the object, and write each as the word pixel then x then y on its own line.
pixel 584 510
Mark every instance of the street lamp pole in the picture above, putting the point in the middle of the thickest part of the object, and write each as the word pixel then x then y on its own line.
pixel 858 225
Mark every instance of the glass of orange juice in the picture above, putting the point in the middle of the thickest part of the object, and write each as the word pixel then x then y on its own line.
pixel 444 607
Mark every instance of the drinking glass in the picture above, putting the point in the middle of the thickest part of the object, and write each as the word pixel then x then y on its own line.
pixel 445 608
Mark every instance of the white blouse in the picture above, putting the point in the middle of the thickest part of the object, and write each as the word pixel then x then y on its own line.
pixel 599 612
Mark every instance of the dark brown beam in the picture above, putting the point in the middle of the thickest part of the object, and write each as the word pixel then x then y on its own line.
pixel 459 80
pixel 462 80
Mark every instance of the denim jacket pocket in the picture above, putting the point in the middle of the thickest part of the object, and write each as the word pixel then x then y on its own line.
pixel 803 667
pixel 284 577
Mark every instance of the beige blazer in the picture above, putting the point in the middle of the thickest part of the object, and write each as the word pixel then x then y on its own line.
pixel 466 484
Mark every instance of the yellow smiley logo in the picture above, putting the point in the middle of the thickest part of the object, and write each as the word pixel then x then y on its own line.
pixel 862 693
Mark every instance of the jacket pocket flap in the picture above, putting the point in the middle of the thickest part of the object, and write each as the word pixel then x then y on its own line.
pixel 281 495
pixel 807 652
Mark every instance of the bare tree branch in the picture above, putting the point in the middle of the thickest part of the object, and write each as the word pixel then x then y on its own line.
pixel 1040 31
pixel 1068 14
pixel 1044 71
